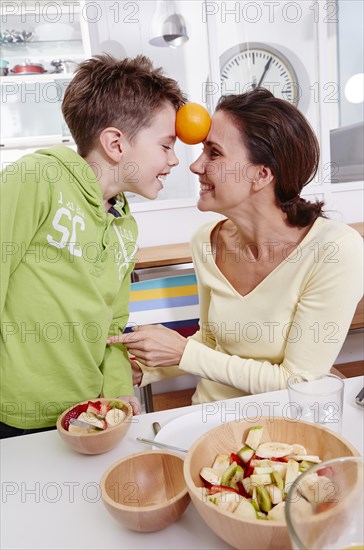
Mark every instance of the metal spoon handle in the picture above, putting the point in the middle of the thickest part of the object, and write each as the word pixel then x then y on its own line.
pixel 161 445
pixel 156 427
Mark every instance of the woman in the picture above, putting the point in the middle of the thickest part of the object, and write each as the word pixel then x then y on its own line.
pixel 278 282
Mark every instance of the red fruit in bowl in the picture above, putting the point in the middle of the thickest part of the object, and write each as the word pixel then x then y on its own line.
pixel 94 407
pixel 73 413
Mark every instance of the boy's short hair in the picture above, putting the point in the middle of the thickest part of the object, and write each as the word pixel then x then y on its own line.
pixel 124 93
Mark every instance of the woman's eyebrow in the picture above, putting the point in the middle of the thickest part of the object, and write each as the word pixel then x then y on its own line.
pixel 213 144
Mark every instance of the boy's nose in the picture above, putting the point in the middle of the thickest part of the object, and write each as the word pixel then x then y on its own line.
pixel 173 159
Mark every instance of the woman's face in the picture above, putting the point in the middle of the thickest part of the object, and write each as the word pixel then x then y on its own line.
pixel 224 170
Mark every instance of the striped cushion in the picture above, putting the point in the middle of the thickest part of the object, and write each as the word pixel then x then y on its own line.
pixel 171 301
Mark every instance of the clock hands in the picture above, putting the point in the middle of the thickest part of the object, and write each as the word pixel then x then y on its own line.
pixel 266 69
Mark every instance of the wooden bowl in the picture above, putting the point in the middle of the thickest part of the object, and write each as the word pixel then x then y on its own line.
pixel 254 534
pixel 99 442
pixel 146 491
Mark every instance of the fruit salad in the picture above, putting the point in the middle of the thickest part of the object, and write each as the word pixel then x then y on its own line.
pixel 253 482
pixel 94 416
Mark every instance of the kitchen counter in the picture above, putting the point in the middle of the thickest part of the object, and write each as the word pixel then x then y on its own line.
pixel 51 497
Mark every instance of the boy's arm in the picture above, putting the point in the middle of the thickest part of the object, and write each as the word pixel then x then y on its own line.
pixel 25 203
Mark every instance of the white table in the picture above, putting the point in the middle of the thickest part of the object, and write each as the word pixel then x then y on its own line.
pixel 50 494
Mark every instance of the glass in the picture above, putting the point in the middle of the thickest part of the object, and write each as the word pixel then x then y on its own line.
pixel 325 506
pixel 317 399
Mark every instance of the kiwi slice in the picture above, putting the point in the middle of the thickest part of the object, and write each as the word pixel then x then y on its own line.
pixel 116 405
pixel 231 475
pixel 263 498
pixel 277 480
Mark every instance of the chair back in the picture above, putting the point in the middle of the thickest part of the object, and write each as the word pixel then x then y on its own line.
pixel 170 301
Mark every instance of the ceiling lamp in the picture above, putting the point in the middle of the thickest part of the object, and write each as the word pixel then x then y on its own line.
pixel 168 27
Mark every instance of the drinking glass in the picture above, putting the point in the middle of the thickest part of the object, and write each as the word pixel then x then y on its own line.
pixel 325 506
pixel 317 399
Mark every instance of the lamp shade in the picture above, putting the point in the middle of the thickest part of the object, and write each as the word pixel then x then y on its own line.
pixel 168 28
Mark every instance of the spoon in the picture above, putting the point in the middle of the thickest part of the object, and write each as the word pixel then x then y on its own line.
pixel 161 445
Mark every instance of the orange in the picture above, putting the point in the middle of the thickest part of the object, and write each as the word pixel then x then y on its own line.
pixel 192 123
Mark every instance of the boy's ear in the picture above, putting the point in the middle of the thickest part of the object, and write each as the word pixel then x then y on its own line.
pixel 263 177
pixel 111 140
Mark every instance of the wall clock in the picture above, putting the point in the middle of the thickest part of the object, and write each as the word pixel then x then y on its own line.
pixel 247 66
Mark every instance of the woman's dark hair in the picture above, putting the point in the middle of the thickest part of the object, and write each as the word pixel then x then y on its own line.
pixel 276 134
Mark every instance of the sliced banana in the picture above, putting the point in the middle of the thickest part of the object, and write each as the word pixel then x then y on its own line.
pixel 114 416
pixel 298 449
pixel 273 449
pixel 92 420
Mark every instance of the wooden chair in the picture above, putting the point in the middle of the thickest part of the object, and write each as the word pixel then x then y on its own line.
pixel 170 301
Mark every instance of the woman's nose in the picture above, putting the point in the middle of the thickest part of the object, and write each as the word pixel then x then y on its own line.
pixel 197 167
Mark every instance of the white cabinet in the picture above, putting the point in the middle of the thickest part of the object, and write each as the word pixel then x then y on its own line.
pixel 38 33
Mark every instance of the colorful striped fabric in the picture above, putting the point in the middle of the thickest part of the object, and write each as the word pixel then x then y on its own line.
pixel 171 301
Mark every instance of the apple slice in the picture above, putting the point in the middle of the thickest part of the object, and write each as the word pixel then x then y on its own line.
pixel 245 509
pixel 254 437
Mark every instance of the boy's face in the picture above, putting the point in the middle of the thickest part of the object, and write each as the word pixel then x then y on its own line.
pixel 150 157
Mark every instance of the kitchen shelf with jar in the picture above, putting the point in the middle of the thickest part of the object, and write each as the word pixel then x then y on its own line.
pixel 41 44
pixel 40 32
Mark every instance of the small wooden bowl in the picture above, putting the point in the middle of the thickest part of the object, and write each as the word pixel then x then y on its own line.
pixel 99 442
pixel 239 532
pixel 146 491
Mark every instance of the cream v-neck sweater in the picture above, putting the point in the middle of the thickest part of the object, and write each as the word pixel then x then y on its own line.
pixel 296 319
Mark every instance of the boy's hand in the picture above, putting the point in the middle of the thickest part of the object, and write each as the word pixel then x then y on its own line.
pixel 134 402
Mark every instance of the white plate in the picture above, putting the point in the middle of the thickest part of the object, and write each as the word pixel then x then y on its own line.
pixel 183 431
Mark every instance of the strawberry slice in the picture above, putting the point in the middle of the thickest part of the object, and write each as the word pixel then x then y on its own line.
pixel 281 459
pixel 235 458
pixel 219 488
pixel 242 491
pixel 94 407
pixel 74 413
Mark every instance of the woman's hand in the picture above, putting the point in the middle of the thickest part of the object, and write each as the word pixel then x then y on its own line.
pixel 137 373
pixel 153 345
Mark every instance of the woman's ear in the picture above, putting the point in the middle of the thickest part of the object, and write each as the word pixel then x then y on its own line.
pixel 263 177
pixel 111 140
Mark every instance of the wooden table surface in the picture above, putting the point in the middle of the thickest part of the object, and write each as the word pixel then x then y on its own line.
pixel 166 254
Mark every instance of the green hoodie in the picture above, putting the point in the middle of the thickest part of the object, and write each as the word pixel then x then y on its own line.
pixel 65 277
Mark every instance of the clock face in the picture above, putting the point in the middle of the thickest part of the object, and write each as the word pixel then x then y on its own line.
pixel 248 66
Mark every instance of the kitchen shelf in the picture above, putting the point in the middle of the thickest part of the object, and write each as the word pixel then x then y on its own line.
pixel 41 77
pixel 50 49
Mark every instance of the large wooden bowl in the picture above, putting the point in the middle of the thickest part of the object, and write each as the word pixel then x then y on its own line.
pixel 146 491
pixel 99 442
pixel 254 534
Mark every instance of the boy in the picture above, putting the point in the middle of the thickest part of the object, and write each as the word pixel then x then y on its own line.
pixel 69 240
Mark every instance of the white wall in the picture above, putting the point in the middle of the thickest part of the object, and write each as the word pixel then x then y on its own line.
pixel 121 32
